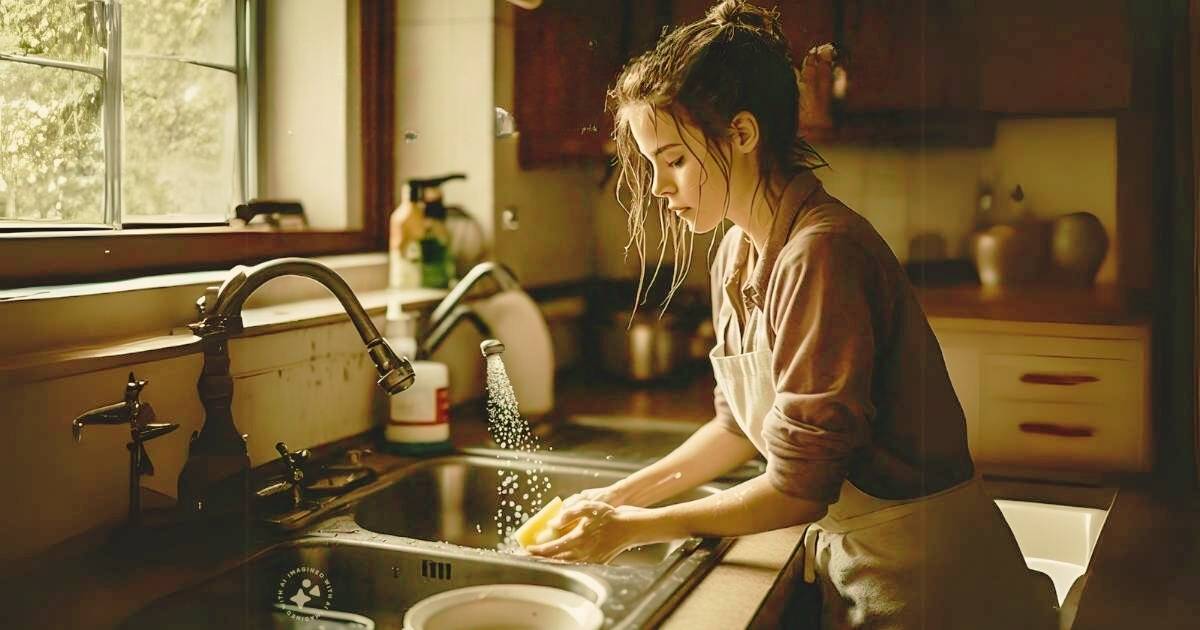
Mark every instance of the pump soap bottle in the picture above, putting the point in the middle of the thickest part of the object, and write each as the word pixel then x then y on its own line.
pixel 437 261
pixel 405 228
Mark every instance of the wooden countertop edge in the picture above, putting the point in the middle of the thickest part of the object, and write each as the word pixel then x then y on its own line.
pixel 747 588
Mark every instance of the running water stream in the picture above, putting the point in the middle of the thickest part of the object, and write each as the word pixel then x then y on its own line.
pixel 524 488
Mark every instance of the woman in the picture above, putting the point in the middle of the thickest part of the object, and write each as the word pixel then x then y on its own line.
pixel 825 362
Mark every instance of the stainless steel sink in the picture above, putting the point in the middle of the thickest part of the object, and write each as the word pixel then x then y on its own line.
pixel 638 441
pixel 413 533
pixel 455 500
pixel 371 581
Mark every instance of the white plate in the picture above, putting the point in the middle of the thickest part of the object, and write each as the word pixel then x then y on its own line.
pixel 508 606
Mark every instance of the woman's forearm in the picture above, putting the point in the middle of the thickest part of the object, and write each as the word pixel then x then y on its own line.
pixel 748 508
pixel 709 453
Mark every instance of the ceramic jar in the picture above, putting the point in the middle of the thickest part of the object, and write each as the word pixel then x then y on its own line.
pixel 1078 244
pixel 1011 253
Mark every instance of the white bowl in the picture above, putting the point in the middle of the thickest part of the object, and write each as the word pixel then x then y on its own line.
pixel 508 606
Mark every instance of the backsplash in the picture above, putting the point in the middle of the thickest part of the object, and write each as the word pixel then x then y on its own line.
pixel 305 386
pixel 1062 164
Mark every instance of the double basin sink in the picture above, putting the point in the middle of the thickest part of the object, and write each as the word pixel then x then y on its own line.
pixel 421 530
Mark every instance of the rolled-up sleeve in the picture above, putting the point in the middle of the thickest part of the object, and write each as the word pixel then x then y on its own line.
pixel 820 312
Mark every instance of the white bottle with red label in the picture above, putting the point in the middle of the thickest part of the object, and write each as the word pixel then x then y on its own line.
pixel 419 417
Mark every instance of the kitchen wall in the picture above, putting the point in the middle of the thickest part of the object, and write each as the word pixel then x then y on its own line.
pixel 444 93
pixel 553 242
pixel 455 64
pixel 1062 164
pixel 305 116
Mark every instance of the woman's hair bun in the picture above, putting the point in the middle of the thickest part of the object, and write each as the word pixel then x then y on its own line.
pixel 742 13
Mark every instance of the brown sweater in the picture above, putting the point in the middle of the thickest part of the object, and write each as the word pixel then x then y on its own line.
pixel 861 386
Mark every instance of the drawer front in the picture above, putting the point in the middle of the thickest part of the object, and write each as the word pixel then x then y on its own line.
pixel 1062 435
pixel 1060 379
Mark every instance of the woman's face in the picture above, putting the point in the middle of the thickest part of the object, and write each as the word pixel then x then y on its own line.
pixel 685 173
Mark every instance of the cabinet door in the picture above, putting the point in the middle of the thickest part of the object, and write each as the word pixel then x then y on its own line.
pixel 909 55
pixel 566 53
pixel 1064 56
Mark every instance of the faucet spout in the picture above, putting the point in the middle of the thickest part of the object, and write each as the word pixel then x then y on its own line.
pixel 222 312
pixel 451 310
pixel 217 453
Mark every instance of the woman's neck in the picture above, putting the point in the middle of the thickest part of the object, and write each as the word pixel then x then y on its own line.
pixel 764 202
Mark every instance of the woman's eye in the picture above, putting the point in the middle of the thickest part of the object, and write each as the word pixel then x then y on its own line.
pixel 675 164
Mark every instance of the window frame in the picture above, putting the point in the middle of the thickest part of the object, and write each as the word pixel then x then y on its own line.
pixel 65 255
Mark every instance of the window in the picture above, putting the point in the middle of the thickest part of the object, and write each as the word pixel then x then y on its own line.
pixel 180 168
pixel 124 112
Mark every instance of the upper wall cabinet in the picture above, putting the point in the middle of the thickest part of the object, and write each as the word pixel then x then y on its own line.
pixel 909 55
pixel 567 52
pixel 912 72
pixel 918 71
pixel 1053 57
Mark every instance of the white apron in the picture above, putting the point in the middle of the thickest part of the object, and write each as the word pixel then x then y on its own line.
pixel 944 561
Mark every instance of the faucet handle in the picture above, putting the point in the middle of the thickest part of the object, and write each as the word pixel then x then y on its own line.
pixel 354 456
pixel 294 461
pixel 133 389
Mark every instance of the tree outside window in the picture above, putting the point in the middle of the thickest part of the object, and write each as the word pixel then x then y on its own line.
pixel 173 155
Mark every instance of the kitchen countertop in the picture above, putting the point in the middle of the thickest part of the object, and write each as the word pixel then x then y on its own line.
pixel 1101 304
pixel 1145 569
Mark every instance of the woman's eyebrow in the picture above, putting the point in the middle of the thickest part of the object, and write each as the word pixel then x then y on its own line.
pixel 664 148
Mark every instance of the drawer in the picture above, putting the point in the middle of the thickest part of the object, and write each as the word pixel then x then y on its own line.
pixel 1063 435
pixel 1060 379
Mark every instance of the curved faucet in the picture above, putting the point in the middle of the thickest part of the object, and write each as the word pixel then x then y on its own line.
pixel 221 312
pixel 450 310
pixel 217 453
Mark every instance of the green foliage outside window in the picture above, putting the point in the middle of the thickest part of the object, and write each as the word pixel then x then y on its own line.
pixel 180 126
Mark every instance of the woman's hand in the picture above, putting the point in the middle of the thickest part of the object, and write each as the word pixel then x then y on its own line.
pixel 610 494
pixel 591 531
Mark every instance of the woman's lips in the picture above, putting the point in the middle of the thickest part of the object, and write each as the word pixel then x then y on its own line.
pixel 680 210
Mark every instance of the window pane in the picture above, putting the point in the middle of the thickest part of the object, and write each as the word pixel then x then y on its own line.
pixel 58 29
pixel 180 142
pixel 51 145
pixel 204 30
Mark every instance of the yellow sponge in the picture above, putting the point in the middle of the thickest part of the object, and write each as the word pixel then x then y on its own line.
pixel 534 531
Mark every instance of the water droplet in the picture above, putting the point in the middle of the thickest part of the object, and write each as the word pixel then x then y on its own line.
pixel 608 457
pixel 591 44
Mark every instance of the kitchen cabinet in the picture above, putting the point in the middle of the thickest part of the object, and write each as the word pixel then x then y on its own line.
pixel 1060 57
pixel 912 73
pixel 1057 398
pixel 909 56
pixel 566 54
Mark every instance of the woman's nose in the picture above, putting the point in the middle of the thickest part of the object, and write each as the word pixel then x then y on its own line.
pixel 660 186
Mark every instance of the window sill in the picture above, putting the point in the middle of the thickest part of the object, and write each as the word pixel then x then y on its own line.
pixel 92 255
pixel 40 366
pixel 54 332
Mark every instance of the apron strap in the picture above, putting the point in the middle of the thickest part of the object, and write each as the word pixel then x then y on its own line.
pixel 811 537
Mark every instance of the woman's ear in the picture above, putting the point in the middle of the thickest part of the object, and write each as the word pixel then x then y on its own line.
pixel 743 132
